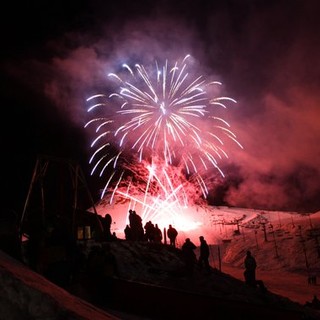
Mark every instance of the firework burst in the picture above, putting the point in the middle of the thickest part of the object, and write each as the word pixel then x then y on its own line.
pixel 162 118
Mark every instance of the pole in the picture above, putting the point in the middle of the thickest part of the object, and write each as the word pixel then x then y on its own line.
pixel 317 244
pixel 275 242
pixel 211 254
pixel 292 221
pixel 243 236
pixel 305 254
pixel 255 235
pixel 219 257
pixel 279 220
pixel 264 232
pixel 238 226
pixel 33 180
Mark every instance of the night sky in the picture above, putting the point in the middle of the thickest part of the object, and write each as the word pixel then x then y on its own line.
pixel 56 54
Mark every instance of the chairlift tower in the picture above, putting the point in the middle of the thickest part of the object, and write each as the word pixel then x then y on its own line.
pixel 61 179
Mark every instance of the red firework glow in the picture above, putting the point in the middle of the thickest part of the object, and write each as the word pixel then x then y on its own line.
pixel 156 139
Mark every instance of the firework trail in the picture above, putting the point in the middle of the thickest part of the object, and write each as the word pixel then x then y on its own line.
pixel 158 118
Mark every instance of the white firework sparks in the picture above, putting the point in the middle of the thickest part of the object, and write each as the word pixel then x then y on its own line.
pixel 161 117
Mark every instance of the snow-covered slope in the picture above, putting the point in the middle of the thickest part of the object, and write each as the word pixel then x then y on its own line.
pixel 25 294
pixel 280 240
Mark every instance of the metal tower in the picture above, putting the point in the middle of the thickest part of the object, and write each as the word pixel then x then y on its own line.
pixel 58 187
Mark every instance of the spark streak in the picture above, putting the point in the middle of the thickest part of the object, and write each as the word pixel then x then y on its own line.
pixel 162 116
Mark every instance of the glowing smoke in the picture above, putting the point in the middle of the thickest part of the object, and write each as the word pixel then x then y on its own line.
pixel 273 75
pixel 159 132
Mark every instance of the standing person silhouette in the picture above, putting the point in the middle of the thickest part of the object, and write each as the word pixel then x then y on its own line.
pixel 204 254
pixel 106 223
pixel 172 234
pixel 157 234
pixel 250 265
pixel 135 223
pixel 189 256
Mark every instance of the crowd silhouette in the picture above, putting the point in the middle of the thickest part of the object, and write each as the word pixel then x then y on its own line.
pixel 62 260
pixel 135 231
pixel 60 257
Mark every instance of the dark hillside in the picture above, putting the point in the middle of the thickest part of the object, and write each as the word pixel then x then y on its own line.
pixel 152 282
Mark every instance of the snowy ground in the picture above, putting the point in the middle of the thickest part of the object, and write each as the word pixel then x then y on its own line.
pixel 25 294
pixel 289 235
pixel 285 252
pixel 286 244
